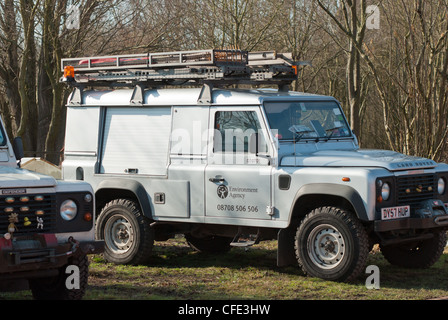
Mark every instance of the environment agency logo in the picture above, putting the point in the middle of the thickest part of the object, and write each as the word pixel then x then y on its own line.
pixel 223 191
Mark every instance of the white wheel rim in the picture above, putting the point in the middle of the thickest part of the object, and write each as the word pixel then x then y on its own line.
pixel 326 246
pixel 118 234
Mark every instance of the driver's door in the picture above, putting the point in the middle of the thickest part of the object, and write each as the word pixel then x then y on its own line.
pixel 238 182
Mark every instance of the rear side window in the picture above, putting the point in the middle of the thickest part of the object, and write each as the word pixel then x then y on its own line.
pixel 2 137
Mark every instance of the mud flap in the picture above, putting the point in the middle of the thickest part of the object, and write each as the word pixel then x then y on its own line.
pixel 285 250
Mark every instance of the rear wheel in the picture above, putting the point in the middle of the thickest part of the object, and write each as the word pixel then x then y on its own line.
pixel 331 244
pixel 127 234
pixel 417 255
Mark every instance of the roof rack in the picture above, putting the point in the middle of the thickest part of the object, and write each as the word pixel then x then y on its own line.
pixel 182 67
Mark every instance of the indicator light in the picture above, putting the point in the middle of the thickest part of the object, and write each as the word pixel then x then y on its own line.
pixel 88 216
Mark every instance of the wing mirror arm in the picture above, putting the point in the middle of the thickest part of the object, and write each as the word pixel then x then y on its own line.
pixel 254 146
pixel 253 143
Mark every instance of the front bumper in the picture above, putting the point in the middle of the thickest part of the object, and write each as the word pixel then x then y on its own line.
pixel 428 214
pixel 40 252
pixel 411 223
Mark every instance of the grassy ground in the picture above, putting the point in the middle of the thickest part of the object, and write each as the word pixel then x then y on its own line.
pixel 177 272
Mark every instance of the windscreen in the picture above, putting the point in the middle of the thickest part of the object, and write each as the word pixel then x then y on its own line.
pixel 306 120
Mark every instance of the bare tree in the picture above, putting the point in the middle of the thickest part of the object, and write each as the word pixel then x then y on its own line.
pixel 34 37
pixel 392 81
pixel 9 66
pixel 418 90
pixel 350 17
pixel 243 24
pixel 58 41
pixel 18 67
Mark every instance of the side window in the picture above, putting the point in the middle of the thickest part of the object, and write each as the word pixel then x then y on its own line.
pixel 233 130
pixel 2 137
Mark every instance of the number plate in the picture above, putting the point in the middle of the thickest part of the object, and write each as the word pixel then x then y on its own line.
pixel 395 212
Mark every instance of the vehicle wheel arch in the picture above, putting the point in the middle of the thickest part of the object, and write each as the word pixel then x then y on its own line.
pixel 316 195
pixel 111 189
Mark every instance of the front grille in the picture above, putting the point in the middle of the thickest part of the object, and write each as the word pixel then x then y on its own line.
pixel 413 189
pixel 28 207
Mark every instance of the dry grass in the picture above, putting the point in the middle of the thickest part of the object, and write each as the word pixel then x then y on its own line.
pixel 177 272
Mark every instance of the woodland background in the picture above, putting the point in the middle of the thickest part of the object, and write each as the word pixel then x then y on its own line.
pixel 391 79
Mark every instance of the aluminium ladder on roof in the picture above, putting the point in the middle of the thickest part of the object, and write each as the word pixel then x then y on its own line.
pixel 172 68
pixel 157 60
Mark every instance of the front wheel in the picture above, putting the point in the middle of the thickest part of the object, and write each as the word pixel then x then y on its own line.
pixel 331 244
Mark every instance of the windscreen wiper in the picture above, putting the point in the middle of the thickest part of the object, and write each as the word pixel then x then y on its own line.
pixel 299 131
pixel 332 132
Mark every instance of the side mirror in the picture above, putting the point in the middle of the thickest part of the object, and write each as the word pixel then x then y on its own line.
pixel 17 146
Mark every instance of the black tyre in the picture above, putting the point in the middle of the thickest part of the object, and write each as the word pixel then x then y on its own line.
pixel 209 244
pixel 331 244
pixel 417 255
pixel 60 287
pixel 126 232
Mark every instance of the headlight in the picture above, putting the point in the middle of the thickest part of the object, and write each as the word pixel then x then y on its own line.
pixel 385 191
pixel 441 186
pixel 68 210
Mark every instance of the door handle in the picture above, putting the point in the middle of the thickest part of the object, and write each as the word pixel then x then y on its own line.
pixel 217 179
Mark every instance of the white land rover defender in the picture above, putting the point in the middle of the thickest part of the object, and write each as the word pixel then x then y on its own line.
pixel 46 229
pixel 233 167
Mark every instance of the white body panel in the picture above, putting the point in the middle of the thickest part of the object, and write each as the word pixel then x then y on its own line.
pixel 136 139
pixel 169 139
